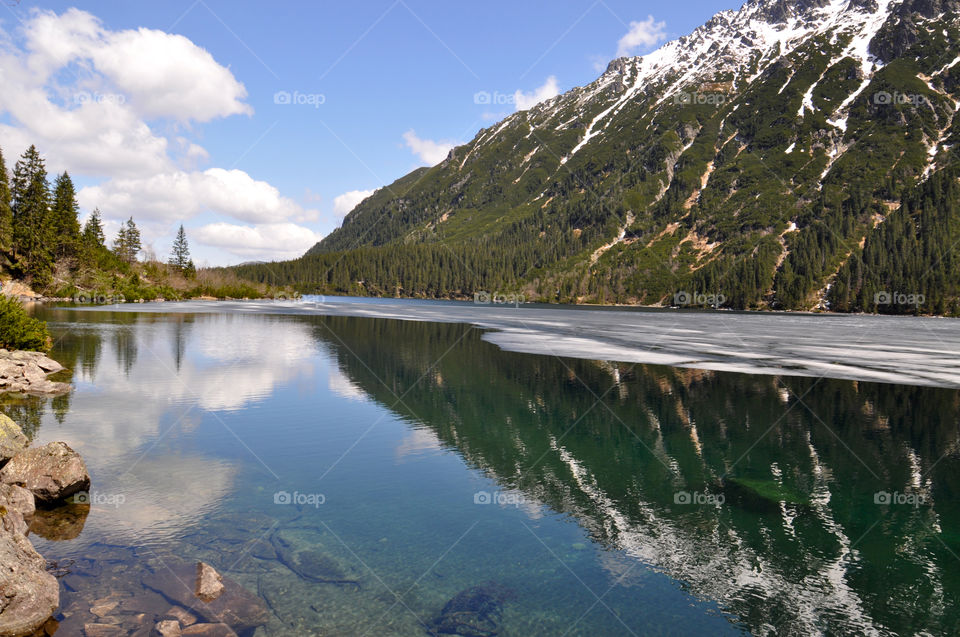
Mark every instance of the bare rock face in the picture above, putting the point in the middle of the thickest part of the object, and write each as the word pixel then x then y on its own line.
pixel 29 595
pixel 52 472
pixel 234 606
pixel 12 439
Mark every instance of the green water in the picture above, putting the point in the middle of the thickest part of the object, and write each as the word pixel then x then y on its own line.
pixel 623 499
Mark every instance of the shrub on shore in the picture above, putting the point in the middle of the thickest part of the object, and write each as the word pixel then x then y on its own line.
pixel 20 331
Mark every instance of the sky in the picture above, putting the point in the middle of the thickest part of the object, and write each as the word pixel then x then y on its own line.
pixel 259 125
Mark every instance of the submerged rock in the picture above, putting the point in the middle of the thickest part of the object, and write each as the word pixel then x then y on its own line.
pixel 474 612
pixel 28 593
pixel 167 628
pixel 234 606
pixel 208 630
pixel 52 472
pixel 209 583
pixel 309 562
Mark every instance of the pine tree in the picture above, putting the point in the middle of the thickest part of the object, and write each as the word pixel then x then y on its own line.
pixel 64 217
pixel 6 214
pixel 180 256
pixel 32 232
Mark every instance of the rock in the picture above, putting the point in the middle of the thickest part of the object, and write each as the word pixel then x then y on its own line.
pixel 209 583
pixel 12 439
pixel 29 595
pixel 33 373
pixel 16 498
pixel 19 499
pixel 104 609
pixel 103 630
pixel 235 606
pixel 167 628
pixel 52 472
pixel 62 523
pixel 184 617
pixel 209 630
pixel 301 550
pixel 474 612
pixel 49 365
pixel 27 372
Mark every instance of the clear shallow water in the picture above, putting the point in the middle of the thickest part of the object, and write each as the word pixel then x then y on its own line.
pixel 630 499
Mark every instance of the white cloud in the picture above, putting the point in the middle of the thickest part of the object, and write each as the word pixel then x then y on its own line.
pixel 160 74
pixel 525 101
pixel 83 94
pixel 178 195
pixel 270 241
pixel 346 202
pixel 429 151
pixel 643 34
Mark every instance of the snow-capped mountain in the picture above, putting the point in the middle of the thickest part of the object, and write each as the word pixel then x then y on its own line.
pixel 758 157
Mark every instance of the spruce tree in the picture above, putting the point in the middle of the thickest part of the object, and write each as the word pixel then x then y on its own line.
pixel 127 244
pixel 93 236
pixel 64 217
pixel 180 255
pixel 32 233
pixel 120 244
pixel 6 214
pixel 133 241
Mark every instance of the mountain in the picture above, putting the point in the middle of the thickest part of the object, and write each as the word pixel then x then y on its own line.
pixel 790 154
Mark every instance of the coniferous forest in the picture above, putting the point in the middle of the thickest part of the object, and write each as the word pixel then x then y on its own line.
pixel 42 243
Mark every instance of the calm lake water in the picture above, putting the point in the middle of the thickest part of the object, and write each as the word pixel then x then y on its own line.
pixel 417 460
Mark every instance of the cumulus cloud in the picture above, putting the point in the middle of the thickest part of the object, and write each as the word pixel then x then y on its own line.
pixel 342 204
pixel 525 101
pixel 430 152
pixel 641 35
pixel 159 74
pixel 177 195
pixel 267 242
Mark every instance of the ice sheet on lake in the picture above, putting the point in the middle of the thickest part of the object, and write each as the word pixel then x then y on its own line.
pixel 908 350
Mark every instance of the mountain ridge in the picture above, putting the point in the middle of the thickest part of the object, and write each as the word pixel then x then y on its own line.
pixel 754 157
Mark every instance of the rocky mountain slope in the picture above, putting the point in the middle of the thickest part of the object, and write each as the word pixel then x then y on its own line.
pixel 789 154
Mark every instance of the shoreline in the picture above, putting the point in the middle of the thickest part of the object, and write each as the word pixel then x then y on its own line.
pixel 873 348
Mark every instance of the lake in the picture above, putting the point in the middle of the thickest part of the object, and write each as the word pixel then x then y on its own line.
pixel 410 461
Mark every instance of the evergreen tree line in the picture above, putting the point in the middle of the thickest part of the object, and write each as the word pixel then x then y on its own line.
pixel 40 227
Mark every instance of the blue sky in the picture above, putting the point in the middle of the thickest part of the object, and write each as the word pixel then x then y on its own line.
pixel 245 121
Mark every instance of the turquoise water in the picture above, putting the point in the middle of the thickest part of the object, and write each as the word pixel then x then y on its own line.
pixel 412 461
